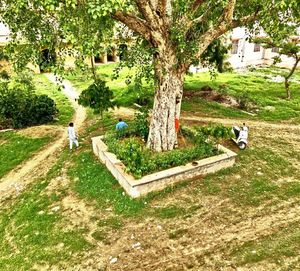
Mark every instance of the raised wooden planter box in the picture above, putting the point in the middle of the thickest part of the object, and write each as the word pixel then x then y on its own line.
pixel 159 180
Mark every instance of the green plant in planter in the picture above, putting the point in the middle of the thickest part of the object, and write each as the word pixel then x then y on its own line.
pixel 134 156
pixel 112 142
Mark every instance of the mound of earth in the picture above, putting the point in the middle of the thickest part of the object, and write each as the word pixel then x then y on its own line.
pixel 209 94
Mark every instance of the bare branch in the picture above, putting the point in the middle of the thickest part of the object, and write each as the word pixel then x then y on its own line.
pixel 197 20
pixel 159 6
pixel 293 68
pixel 227 14
pixel 134 23
pixel 162 7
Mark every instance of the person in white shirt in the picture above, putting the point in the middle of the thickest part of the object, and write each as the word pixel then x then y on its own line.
pixel 72 136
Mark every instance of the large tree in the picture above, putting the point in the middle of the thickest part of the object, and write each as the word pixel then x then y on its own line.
pixel 177 32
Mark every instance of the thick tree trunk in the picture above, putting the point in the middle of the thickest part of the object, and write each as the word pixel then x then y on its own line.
pixel 166 108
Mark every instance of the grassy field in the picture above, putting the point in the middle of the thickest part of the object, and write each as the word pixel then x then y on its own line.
pixel 15 149
pixel 34 237
pixel 44 86
pixel 256 86
pixel 80 196
pixel 267 96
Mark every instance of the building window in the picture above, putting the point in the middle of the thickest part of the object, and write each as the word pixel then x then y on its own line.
pixel 235 47
pixel 256 47
pixel 275 50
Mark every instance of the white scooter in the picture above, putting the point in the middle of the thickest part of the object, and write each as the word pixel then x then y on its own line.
pixel 240 136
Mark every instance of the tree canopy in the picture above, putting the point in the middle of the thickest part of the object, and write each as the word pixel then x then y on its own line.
pixel 191 25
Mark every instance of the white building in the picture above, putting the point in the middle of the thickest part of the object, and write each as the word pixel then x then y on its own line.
pixel 244 53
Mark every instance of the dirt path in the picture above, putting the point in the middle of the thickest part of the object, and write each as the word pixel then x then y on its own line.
pixel 250 123
pixel 15 181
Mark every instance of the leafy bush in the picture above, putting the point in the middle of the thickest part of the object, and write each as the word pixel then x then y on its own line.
pixel 227 67
pixel 20 106
pixel 133 155
pixel 5 123
pixel 4 75
pixel 143 97
pixel 203 134
pixel 43 109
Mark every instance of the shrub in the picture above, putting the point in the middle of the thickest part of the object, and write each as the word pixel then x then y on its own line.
pixel 130 151
pixel 21 107
pixel 43 109
pixel 134 156
pixel 4 75
pixel 227 67
pixel 203 134
pixel 143 97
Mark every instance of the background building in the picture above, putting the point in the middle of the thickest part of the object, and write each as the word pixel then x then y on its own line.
pixel 244 53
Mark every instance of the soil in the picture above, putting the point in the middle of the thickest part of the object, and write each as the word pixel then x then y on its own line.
pixel 42 131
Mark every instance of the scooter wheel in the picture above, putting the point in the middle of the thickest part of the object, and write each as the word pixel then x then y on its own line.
pixel 242 145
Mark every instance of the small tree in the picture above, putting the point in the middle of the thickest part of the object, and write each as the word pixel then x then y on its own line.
pixel 292 50
pixel 288 48
pixel 98 97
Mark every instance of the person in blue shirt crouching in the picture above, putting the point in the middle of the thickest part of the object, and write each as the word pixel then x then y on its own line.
pixel 121 125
